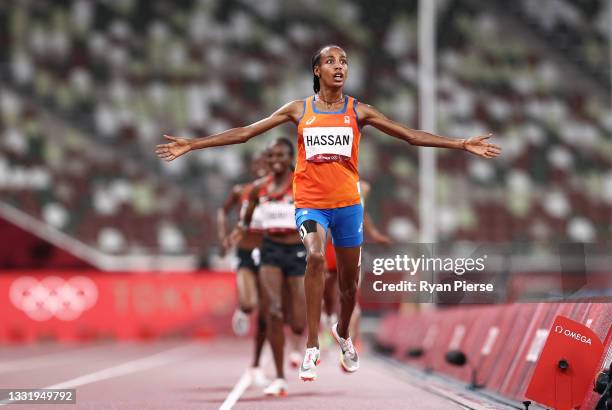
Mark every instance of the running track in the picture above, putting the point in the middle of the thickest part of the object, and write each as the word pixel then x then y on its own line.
pixel 207 375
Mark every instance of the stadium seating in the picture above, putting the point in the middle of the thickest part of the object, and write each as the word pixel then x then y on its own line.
pixel 52 173
pixel 579 29
pixel 124 73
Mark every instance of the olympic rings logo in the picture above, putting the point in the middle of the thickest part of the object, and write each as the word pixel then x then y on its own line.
pixel 53 297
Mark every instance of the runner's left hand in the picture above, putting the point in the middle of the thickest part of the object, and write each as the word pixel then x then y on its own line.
pixel 480 146
pixel 173 149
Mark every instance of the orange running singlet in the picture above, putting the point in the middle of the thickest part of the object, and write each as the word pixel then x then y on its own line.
pixel 326 174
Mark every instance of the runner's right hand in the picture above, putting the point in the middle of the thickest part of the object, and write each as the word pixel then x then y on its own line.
pixel 236 236
pixel 225 245
pixel 173 149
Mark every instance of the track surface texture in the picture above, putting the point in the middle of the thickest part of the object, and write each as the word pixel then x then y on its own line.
pixel 209 375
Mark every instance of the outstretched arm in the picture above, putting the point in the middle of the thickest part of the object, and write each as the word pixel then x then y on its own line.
pixel 180 146
pixel 477 145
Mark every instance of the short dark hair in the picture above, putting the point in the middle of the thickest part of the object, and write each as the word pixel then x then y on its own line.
pixel 316 60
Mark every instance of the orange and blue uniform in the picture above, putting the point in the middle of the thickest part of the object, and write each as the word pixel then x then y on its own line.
pixel 326 178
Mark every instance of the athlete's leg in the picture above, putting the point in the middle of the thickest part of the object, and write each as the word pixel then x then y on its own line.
pixel 330 301
pixel 272 284
pixel 286 303
pixel 347 233
pixel 312 225
pixel 260 331
pixel 354 325
pixel 349 262
pixel 356 318
pixel 298 302
pixel 246 283
pixel 330 292
pixel 293 341
pixel 314 242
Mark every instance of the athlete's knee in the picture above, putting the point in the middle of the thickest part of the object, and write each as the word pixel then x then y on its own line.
pixel 315 261
pixel 275 312
pixel 261 323
pixel 348 289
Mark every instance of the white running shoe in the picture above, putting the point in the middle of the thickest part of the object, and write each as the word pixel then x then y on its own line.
pixel 240 323
pixel 348 359
pixel 277 388
pixel 258 378
pixel 308 370
pixel 294 359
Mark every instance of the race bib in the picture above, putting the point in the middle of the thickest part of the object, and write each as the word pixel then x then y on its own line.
pixel 278 216
pixel 327 144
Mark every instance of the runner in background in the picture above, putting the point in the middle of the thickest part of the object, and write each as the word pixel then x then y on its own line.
pixel 247 280
pixel 283 256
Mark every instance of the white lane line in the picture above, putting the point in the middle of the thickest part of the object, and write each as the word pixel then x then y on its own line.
pixel 144 363
pixel 245 382
pixel 237 391
pixel 45 360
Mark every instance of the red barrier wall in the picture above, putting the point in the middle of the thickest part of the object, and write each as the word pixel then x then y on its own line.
pixel 78 305
pixel 502 342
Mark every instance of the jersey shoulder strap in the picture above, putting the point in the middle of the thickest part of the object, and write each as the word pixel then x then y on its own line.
pixel 307 113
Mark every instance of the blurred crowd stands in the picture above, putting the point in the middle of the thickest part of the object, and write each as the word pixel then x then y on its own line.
pixel 54 174
pixel 113 76
pixel 578 29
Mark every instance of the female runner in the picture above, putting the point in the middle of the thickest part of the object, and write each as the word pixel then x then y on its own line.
pixel 283 257
pixel 325 183
pixel 247 281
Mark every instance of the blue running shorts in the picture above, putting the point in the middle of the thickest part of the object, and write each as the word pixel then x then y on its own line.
pixel 345 224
